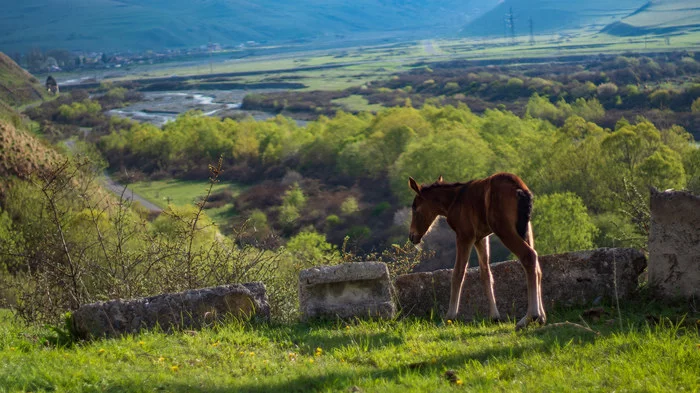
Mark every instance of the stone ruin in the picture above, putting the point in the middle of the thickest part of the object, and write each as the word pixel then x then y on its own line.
pixel 185 310
pixel 348 290
pixel 364 289
pixel 576 278
pixel 674 244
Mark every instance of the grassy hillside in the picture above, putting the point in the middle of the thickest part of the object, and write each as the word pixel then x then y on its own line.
pixel 154 24
pixel 549 16
pixel 21 153
pixel 17 86
pixel 658 17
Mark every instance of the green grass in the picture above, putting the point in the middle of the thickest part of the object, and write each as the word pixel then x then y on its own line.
pixel 357 103
pixel 185 192
pixel 177 192
pixel 404 355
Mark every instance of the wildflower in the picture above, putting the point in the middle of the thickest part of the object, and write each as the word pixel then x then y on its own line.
pixel 216 344
pixel 292 356
pixel 459 382
pixel 102 350
pixel 252 354
pixel 141 343
pixel 161 359
pixel 319 351
pixel 347 327
pixel 241 353
pixel 174 368
pixel 311 360
pixel 13 349
pixel 449 322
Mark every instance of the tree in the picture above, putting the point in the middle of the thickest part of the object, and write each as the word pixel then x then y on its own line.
pixel 561 223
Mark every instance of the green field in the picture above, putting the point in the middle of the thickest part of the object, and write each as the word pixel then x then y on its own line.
pixel 357 103
pixel 185 192
pixel 404 355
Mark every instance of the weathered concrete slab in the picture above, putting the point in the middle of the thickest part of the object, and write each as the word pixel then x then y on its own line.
pixel 576 278
pixel 674 244
pixel 349 290
pixel 191 309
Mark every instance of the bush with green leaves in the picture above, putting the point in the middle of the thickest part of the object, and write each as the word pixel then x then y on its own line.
pixel 561 223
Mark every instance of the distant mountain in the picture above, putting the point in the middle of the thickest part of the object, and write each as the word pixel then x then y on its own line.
pixel 658 17
pixel 549 16
pixel 17 86
pixel 156 24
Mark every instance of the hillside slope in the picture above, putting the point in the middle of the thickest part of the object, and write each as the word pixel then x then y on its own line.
pixel 23 154
pixel 154 24
pixel 17 86
pixel 549 16
pixel 658 17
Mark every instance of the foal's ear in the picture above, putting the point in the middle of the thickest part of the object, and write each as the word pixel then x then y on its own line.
pixel 440 179
pixel 415 186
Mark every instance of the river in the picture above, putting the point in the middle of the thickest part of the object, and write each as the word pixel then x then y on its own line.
pixel 163 106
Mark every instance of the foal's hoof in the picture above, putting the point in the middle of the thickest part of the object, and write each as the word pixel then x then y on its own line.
pixel 498 319
pixel 528 319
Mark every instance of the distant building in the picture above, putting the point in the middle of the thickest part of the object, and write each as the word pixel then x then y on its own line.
pixel 51 85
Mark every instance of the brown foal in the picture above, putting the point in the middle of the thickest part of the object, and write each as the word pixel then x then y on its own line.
pixel 500 204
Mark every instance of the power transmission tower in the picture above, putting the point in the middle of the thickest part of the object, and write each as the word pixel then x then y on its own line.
pixel 532 33
pixel 511 24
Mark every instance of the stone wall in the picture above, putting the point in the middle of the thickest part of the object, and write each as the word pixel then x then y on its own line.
pixel 674 244
pixel 577 278
pixel 191 309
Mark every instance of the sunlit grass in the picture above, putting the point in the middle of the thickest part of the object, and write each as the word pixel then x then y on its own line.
pixel 178 192
pixel 357 103
pixel 405 355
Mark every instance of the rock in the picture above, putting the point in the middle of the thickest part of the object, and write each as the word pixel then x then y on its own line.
pixel 576 278
pixel 674 244
pixel 185 310
pixel 349 290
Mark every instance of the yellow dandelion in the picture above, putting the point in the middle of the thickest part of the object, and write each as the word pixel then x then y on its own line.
pixel 449 322
pixel 252 354
pixel 161 359
pixel 216 344
pixel 241 353
pixel 459 382
pixel 319 351
pixel 142 343
pixel 311 360
pixel 174 368
pixel 102 350
pixel 347 327
pixel 292 356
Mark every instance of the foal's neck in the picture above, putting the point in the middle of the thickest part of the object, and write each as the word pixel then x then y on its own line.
pixel 444 195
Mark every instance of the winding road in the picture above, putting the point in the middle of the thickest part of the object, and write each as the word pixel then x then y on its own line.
pixel 119 190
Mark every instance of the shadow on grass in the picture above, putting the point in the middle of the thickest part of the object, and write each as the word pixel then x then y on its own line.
pixel 345 379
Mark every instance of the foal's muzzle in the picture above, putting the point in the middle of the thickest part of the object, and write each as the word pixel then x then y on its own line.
pixel 414 238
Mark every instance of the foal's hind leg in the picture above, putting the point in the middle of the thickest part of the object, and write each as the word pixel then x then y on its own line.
pixel 464 247
pixel 482 250
pixel 528 258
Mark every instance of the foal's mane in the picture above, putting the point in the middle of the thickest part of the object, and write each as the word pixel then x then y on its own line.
pixel 443 185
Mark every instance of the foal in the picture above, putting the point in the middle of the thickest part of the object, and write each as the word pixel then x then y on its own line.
pixel 500 204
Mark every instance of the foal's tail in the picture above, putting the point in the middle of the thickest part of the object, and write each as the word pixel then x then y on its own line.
pixel 523 225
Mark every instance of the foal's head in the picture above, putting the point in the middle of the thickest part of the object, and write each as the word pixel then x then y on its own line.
pixel 424 211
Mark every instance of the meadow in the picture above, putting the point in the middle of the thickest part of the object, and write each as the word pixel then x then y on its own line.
pixel 647 350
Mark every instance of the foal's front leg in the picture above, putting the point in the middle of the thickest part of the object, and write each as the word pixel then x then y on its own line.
pixel 464 247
